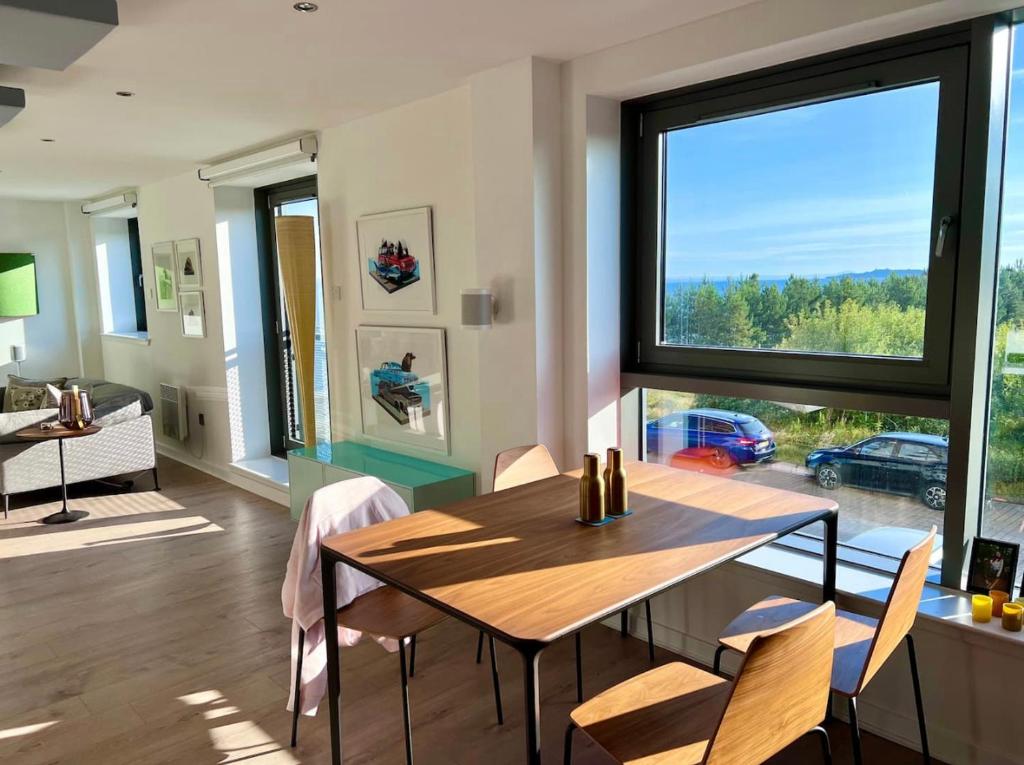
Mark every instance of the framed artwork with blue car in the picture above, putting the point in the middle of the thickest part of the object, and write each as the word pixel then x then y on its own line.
pixel 403 385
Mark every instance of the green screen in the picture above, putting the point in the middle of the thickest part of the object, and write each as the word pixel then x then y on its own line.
pixel 18 285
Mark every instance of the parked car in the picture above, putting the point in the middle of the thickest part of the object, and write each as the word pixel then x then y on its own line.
pixel 913 464
pixel 724 438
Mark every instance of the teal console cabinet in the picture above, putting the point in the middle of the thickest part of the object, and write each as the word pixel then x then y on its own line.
pixel 419 482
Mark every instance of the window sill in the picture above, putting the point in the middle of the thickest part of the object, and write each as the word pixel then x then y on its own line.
pixel 940 609
pixel 136 338
pixel 270 471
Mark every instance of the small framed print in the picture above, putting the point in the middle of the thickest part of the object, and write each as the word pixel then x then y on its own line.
pixel 396 261
pixel 193 314
pixel 163 277
pixel 189 263
pixel 993 566
pixel 403 385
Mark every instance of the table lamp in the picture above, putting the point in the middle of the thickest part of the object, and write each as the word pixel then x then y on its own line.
pixel 18 294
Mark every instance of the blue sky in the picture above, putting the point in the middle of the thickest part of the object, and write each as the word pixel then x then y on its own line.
pixel 843 186
pixel 816 190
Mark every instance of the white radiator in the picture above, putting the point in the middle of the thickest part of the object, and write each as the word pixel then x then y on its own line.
pixel 174 411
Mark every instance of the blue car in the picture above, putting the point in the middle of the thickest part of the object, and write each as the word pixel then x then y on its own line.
pixel 724 438
pixel 913 464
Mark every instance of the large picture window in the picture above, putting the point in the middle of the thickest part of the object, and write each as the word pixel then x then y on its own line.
pixel 802 226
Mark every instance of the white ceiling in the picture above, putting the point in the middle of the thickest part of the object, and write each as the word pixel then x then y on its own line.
pixel 214 77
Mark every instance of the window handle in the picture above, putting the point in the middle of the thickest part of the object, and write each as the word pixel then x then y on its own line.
pixel 940 241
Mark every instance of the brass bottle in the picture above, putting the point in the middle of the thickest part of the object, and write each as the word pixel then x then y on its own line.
pixel 591 490
pixel 615 487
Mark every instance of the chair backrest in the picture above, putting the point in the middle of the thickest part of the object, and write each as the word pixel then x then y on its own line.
pixel 524 464
pixel 780 693
pixel 900 609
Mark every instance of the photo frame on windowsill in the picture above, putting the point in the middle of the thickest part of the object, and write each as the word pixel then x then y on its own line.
pixel 993 565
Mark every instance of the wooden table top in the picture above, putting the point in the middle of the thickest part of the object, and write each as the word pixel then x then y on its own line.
pixel 34 433
pixel 516 562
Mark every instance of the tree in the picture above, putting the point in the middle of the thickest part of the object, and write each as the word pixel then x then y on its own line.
pixel 858 329
pixel 802 295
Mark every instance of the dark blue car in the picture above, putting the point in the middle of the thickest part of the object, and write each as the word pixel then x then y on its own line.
pixel 724 438
pixel 913 464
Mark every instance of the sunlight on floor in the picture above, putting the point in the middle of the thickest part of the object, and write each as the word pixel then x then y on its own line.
pixel 107 506
pixel 26 730
pixel 83 535
pixel 228 738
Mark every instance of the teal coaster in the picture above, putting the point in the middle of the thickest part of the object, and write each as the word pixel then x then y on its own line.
pixel 607 519
pixel 616 517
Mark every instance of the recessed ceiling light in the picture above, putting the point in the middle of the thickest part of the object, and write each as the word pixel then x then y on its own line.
pixel 125 93
pixel 306 7
pixel 48 140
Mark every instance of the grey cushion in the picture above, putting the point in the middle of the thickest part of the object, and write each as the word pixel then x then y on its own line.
pixel 14 382
pixel 109 397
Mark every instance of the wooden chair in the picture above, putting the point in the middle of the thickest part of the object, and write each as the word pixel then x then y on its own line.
pixel 683 715
pixel 862 644
pixel 526 464
pixel 389 613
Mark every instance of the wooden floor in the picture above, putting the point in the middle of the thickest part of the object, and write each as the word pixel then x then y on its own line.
pixel 152 633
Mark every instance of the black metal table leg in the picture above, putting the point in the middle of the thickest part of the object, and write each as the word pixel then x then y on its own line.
pixel 65 515
pixel 327 576
pixel 531 696
pixel 828 582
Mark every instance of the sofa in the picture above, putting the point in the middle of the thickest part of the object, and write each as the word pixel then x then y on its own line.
pixel 124 446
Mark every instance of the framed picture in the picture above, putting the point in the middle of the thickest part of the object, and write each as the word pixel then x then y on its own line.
pixel 163 277
pixel 193 314
pixel 396 261
pixel 993 565
pixel 189 264
pixel 403 385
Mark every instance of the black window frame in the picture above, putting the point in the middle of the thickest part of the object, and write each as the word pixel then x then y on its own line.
pixel 138 279
pixel 941 54
pixel 274 321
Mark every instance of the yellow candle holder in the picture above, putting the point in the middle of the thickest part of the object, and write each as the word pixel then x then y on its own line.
pixel 1013 617
pixel 999 597
pixel 981 608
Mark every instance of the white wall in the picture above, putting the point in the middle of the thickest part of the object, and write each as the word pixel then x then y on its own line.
pixel 418 154
pixel 180 208
pixel 114 272
pixel 242 317
pixel 51 337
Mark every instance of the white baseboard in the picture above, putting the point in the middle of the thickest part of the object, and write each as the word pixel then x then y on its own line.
pixel 260 488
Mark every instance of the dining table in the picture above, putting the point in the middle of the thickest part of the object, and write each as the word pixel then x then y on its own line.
pixel 517 565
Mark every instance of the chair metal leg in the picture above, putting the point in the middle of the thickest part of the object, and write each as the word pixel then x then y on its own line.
pixel 579 668
pixel 156 479
pixel 826 748
pixel 568 742
pixel 650 631
pixel 7 505
pixel 412 656
pixel 917 698
pixel 718 659
pixel 496 680
pixel 480 647
pixel 405 702
pixel 298 681
pixel 855 732
pixel 624 623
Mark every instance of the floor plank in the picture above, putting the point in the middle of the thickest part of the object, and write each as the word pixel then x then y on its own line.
pixel 152 633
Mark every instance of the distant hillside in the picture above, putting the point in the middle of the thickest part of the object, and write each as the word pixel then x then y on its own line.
pixel 720 283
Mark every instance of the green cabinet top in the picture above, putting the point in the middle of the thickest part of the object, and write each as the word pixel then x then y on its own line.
pixel 387 466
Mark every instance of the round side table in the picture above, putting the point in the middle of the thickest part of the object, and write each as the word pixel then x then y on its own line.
pixel 59 433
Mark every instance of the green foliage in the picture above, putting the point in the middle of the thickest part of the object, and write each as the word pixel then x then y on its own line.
pixel 874 317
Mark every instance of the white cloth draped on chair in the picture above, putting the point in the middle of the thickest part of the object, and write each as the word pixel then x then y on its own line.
pixel 334 509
